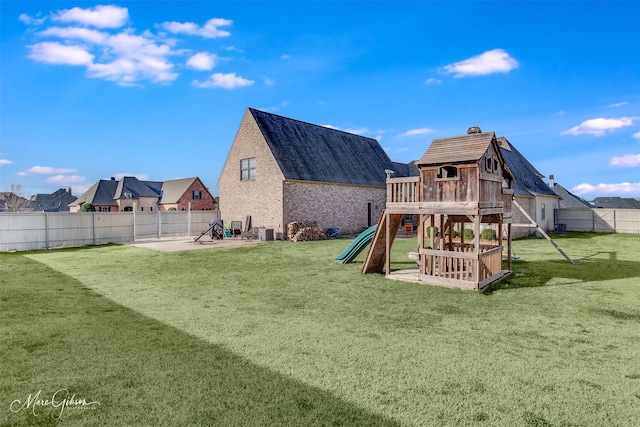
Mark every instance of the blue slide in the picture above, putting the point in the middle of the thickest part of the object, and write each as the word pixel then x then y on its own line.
pixel 360 243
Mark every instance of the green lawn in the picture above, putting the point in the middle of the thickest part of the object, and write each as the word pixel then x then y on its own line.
pixel 279 334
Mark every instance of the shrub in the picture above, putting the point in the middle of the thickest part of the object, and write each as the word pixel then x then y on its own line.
pixel 427 232
pixel 87 207
pixel 489 234
pixel 468 234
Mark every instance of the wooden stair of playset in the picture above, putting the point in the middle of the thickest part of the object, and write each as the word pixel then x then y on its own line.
pixel 375 261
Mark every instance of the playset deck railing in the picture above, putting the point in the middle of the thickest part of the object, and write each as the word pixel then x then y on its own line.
pixel 404 190
pixel 460 262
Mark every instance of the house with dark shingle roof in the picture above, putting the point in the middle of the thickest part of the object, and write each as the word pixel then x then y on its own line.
pixel 616 203
pixel 568 199
pixel 530 191
pixel 129 192
pixel 57 201
pixel 280 170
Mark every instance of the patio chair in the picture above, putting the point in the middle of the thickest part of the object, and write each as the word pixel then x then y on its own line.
pixel 236 229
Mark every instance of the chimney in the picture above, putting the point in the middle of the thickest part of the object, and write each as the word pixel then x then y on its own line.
pixel 551 184
pixel 473 129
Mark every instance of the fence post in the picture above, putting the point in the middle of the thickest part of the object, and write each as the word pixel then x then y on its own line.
pixel 46 230
pixel 159 225
pixel 189 220
pixel 134 221
pixel 93 227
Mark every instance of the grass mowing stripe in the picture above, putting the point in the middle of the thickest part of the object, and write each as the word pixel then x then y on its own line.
pixel 538 350
pixel 57 334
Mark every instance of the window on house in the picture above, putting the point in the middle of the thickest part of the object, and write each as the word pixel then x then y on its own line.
pixel 248 169
pixel 447 172
pixel 542 212
pixel 491 165
pixel 104 209
pixel 196 195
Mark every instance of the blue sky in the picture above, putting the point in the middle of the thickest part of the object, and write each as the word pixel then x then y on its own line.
pixel 91 90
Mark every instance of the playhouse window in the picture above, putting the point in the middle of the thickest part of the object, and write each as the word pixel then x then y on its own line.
pixel 491 165
pixel 248 169
pixel 196 195
pixel 447 172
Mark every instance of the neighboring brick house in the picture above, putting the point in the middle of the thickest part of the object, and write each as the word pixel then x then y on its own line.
pixel 535 197
pixel 281 170
pixel 122 195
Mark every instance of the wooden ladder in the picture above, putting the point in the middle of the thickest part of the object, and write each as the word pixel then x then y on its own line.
pixel 377 255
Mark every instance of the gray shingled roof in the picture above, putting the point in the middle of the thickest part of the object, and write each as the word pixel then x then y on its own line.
pixel 616 203
pixel 137 188
pixel 568 199
pixel 55 202
pixel 101 194
pixel 528 180
pixel 309 152
pixel 457 149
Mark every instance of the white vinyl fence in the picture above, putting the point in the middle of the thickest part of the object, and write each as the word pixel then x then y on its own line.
pixel 45 230
pixel 600 220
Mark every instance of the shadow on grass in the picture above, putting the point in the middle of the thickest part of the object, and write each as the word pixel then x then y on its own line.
pixel 558 272
pixel 141 371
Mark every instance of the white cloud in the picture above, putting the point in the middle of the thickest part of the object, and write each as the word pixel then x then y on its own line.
pixel 285 56
pixel 224 80
pixel 56 53
pixel 489 62
pixel 626 161
pixel 618 104
pixel 65 180
pixel 209 30
pixel 124 56
pixel 414 132
pixel 355 131
pixel 30 20
pixel 621 188
pixel 99 16
pixel 432 81
pixel 636 135
pixel 599 126
pixel 276 107
pixel 45 170
pixel 84 34
pixel 5 162
pixel 202 61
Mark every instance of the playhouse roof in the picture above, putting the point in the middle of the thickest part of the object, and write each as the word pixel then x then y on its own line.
pixel 457 149
pixel 309 152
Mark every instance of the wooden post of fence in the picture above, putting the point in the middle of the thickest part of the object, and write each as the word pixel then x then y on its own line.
pixel 159 224
pixel 189 220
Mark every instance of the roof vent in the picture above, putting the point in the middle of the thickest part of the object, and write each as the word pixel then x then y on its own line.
pixel 473 129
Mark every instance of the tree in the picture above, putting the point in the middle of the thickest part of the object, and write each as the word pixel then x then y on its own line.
pixel 87 207
pixel 14 202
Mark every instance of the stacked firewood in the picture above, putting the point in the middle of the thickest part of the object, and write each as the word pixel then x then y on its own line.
pixel 304 231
